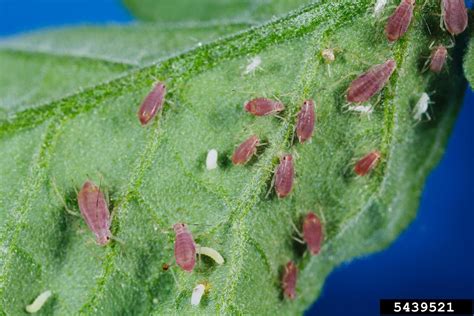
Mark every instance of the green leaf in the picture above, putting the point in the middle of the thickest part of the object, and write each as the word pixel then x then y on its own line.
pixel 40 67
pixel 469 63
pixel 156 176
pixel 251 11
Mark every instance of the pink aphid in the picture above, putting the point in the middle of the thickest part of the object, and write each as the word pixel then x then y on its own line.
pixel 245 151
pixel 263 106
pixel 152 103
pixel 367 163
pixel 305 123
pixel 313 233
pixel 95 211
pixel 371 82
pixel 289 280
pixel 399 21
pixel 438 58
pixel 184 248
pixel 284 176
pixel 454 15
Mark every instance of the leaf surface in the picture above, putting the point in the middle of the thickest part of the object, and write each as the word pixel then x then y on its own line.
pixel 156 176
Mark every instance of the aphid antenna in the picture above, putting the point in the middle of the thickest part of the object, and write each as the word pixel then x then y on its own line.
pixel 174 275
pixel 56 190
pixel 98 193
pixel 323 218
pixel 198 224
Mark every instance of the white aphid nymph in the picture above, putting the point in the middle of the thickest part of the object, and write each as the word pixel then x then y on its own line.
pixel 198 292
pixel 328 55
pixel 253 65
pixel 38 302
pixel 361 109
pixel 421 107
pixel 211 160
pixel 379 6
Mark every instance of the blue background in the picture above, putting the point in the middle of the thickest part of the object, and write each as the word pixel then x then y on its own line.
pixel 433 258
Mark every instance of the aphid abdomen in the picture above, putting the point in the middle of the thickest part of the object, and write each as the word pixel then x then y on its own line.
pixel 245 151
pixel 371 82
pixel 454 16
pixel 289 280
pixel 305 123
pixel 438 59
pixel 399 21
pixel 184 248
pixel 284 176
pixel 152 103
pixel 95 211
pixel 313 233
pixel 263 106
pixel 367 163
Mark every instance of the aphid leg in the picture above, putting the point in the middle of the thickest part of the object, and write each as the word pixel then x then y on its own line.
pixel 297 231
pixel 56 190
pixel 300 235
pixel 297 240
pixel 271 186
pixel 441 22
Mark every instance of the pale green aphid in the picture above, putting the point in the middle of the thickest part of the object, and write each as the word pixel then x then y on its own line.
pixel 212 253
pixel 38 302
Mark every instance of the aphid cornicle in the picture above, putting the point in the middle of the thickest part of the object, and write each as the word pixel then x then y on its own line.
pixel 367 163
pixel 289 280
pixel 313 233
pixel 284 176
pixel 370 82
pixel 398 22
pixel 438 58
pixel 454 15
pixel 95 211
pixel 152 103
pixel 184 248
pixel 263 106
pixel 246 150
pixel 305 123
